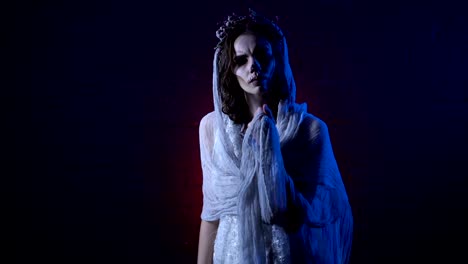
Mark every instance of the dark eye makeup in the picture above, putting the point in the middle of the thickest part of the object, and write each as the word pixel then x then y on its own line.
pixel 240 60
pixel 260 52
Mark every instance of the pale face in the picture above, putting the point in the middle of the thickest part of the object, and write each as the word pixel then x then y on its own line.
pixel 254 62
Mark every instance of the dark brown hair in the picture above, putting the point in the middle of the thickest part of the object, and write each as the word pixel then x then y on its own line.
pixel 232 96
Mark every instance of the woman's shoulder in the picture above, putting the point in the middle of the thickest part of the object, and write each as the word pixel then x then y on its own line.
pixel 313 126
pixel 309 123
pixel 313 122
pixel 207 120
pixel 207 123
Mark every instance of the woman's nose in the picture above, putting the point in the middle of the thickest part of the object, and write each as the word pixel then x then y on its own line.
pixel 255 67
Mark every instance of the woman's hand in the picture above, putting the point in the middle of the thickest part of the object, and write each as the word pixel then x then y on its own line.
pixel 262 116
pixel 267 111
pixel 264 109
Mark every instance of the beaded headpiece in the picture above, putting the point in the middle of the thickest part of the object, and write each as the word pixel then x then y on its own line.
pixel 234 21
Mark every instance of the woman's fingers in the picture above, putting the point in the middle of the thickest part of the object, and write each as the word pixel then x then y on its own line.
pixel 267 110
pixel 259 111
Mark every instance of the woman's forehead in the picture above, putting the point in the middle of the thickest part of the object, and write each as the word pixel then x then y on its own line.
pixel 248 42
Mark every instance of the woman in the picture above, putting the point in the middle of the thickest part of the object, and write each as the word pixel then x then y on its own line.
pixel 272 191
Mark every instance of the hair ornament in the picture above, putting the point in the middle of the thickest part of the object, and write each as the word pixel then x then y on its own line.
pixel 234 21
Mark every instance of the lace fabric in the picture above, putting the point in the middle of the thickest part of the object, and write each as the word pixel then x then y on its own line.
pixel 227 244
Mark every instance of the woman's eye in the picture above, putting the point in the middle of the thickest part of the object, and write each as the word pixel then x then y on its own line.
pixel 240 60
pixel 262 55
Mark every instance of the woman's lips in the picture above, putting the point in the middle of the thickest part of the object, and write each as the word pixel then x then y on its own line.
pixel 254 79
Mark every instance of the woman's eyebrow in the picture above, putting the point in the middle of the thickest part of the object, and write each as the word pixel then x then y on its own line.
pixel 240 53
pixel 240 56
pixel 263 47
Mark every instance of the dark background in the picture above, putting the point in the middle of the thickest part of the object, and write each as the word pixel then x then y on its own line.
pixel 106 98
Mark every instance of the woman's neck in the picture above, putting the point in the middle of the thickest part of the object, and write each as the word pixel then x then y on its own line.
pixel 254 101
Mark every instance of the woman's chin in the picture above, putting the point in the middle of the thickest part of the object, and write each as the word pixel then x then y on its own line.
pixel 261 87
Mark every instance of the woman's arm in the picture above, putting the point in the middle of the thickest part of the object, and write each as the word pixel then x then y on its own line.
pixel 315 194
pixel 206 240
pixel 318 194
pixel 208 229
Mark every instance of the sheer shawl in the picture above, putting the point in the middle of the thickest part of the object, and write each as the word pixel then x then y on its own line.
pixel 247 176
